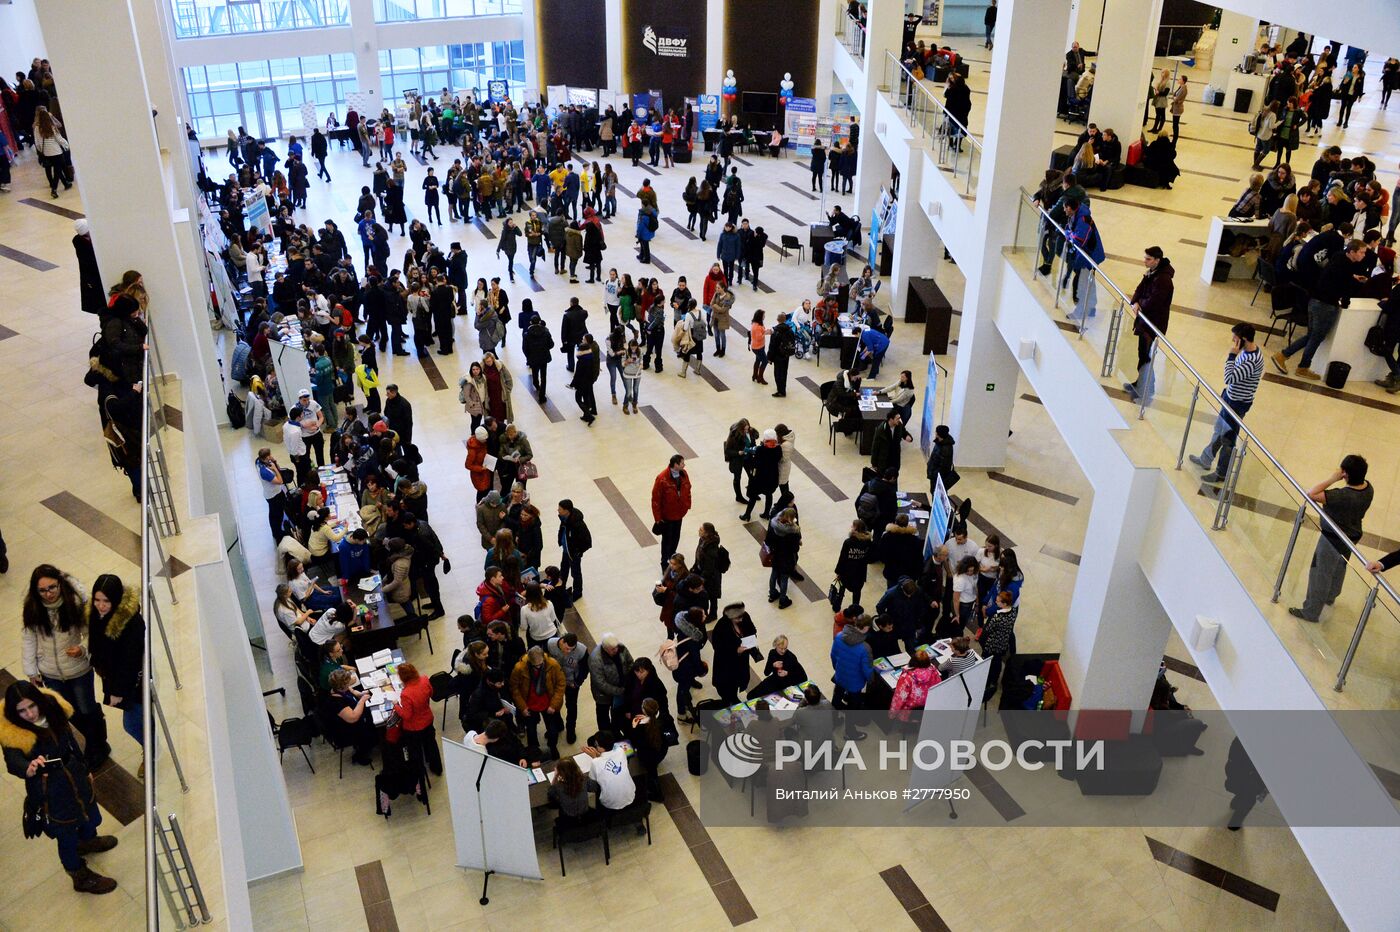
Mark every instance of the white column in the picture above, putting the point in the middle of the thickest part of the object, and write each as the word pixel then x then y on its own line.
pixel 612 30
pixel 364 43
pixel 918 250
pixel 884 24
pixel 1020 127
pixel 155 58
pixel 106 110
pixel 1117 630
pixel 1087 23
pixel 826 49
pixel 1124 63
pixel 1237 37
pixel 714 45
pixel 530 47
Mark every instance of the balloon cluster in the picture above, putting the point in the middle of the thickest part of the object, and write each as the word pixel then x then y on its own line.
pixel 730 88
pixel 785 89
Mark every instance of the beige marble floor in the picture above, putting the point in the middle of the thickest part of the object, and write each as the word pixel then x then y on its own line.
pixel 662 882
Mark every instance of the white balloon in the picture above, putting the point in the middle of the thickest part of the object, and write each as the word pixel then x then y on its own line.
pixel 787 76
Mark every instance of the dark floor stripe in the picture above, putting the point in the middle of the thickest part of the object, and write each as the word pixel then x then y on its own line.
pixel 802 191
pixel 1332 393
pixel 1152 207
pixel 661 265
pixel 1214 875
pixel 174 417
pixel 650 169
pixel 707 857
pixel 995 793
pixel 920 910
pixel 819 479
pixel 1025 486
pixel 575 625
pixel 1066 555
pixel 763 286
pixel 775 247
pixel 814 593
pixel 679 228
pixel 626 192
pixel 107 531
pixel 1224 319
pixel 785 215
pixel 430 368
pixel 744 162
pixel 1027 396
pixel 527 278
pixel 24 258
pixel 664 428
pixel 1187 171
pixel 803 165
pixel 707 373
pixel 422 159
pixel 1184 668
pixel 6 332
pixel 981 523
pixel 374 897
pixel 481 225
pixel 741 330
pixel 809 383
pixel 1066 326
pixel 1282 513
pixel 550 411
pixel 640 532
pixel 51 208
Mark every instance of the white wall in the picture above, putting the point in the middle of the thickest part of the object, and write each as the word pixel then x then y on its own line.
pixel 20 38
pixel 1373 25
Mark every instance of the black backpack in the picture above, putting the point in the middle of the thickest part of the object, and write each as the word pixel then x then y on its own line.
pixel 722 561
pixel 236 418
pixel 868 507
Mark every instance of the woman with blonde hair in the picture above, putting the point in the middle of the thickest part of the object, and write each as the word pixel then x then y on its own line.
pixel 53 150
pixel 1281 225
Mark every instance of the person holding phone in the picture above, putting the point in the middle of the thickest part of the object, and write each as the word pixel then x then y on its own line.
pixel 40 748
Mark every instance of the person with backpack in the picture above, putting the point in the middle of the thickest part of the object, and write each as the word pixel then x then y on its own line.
pixel 654 337
pixel 574 541
pixel 689 338
pixel 682 654
pixel 876 503
pixel 538 344
pixel 782 343
pixel 1262 129
pixel 711 563
pixel 647 225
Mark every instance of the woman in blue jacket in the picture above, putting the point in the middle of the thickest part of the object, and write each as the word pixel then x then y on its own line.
pixel 1083 233
pixel 646 229
pixel 728 250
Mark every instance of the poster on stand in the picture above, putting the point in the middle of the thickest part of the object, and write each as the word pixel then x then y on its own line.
pixel 873 259
pixel 308 116
pixel 707 108
pixel 930 406
pixel 940 517
pixel 498 91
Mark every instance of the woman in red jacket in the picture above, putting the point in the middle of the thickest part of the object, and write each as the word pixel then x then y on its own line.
pixel 476 463
pixel 415 712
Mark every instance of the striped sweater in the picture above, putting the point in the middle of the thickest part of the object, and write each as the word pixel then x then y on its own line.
pixel 1242 374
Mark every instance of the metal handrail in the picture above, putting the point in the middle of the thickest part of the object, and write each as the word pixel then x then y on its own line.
pixel 937 104
pixel 1202 384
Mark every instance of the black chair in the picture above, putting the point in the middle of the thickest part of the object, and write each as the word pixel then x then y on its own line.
pixel 1265 274
pixel 575 831
pixel 418 625
pixel 639 813
pixel 827 341
pixel 293 733
pixel 825 392
pixel 329 733
pixel 444 688
pixel 788 241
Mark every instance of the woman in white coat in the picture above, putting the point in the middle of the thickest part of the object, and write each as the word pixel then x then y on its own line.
pixel 787 443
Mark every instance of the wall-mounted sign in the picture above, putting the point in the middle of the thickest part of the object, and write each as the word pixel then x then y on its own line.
pixel 670 42
pixel 497 90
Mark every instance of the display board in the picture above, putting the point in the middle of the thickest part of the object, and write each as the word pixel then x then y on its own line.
pixel 308 116
pixel 362 103
pixel 950 714
pixel 707 108
pixel 926 424
pixel 940 517
pixel 222 291
pixel 491 817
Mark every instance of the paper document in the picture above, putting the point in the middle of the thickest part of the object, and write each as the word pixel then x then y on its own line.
pixel 918 514
pixel 890 677
pixel 536 775
pixel 489 462
pixel 750 642
pixel 383 657
pixel 898 660
pixel 584 762
pixel 365 665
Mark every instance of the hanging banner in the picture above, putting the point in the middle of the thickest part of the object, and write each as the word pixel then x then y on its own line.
pixel 930 406
pixel 940 517
pixel 498 91
pixel 874 257
pixel 707 106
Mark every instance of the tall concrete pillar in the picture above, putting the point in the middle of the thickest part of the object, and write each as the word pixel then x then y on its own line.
pixel 1237 37
pixel 884 26
pixel 364 38
pixel 918 250
pixel 530 50
pixel 1117 630
pixel 1019 131
pixel 612 30
pixel 1124 63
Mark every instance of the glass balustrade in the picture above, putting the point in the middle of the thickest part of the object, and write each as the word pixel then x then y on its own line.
pixel 953 148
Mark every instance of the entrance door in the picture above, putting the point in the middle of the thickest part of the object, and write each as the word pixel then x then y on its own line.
pixel 259 108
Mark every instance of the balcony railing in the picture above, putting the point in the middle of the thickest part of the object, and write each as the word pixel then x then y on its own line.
pixel 1266 522
pixel 852 35
pixel 954 148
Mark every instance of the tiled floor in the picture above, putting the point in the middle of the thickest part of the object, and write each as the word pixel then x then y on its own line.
pixel 1041 502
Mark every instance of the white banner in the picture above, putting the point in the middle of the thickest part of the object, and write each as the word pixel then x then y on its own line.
pixel 491 817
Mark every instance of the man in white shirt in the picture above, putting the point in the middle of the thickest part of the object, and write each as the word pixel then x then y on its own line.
pixel 312 419
pixel 961 546
pixel 803 315
pixel 616 789
pixel 296 443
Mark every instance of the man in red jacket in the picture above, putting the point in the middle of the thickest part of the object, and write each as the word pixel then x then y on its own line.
pixel 670 501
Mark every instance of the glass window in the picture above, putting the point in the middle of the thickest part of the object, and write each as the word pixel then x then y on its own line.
pixel 253 73
pixel 392 11
pixel 194 18
pixel 214 98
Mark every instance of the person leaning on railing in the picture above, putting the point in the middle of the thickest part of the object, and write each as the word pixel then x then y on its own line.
pixel 1346 507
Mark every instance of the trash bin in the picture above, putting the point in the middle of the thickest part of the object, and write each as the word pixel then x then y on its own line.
pixel 1243 96
pixel 1337 374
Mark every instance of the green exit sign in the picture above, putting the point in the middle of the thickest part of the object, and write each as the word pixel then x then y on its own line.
pixel 991 386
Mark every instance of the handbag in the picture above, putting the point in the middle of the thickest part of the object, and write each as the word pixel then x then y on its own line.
pixel 765 556
pixel 527 470
pixel 835 593
pixel 35 815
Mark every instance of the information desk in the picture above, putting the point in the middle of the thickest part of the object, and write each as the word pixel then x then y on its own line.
pixel 1347 343
pixel 915 505
pixel 880 693
pixel 542 776
pixel 1240 266
pixel 874 408
pixel 375 629
pixel 380 678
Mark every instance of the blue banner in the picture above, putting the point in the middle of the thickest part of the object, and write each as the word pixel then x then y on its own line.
pixel 874 260
pixel 707 105
pixel 802 105
pixel 498 91
pixel 930 406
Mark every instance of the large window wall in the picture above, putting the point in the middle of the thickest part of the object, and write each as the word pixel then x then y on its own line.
pixel 194 18
pixel 456 67
pixel 393 11
pixel 265 97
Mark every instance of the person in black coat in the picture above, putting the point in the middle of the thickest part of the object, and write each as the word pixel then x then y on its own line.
pixel 940 460
pixel 90 289
pixel 442 304
pixel 643 684
pixel 574 541
pixel 585 374
pixel 399 413
pixel 853 564
pixel 731 672
pixel 55 773
pixel 538 344
pixel 782 670
pixel 318 152
pixel 486 702
pixel 885 450
pixel 882 487
pixel 958 99
pixel 763 481
pixel 901 550
pixel 818 162
pixel 116 644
